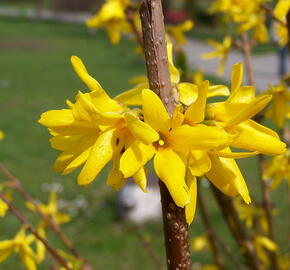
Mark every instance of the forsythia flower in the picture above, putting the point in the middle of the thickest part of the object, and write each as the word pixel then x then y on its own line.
pixel 1 135
pixel 200 243
pixel 278 168
pixel 51 209
pixel 281 33
pixel 3 206
pixel 92 132
pixel 280 106
pixel 169 144
pixel 20 244
pixel 221 51
pixel 247 14
pixel 112 16
pixel 281 9
pixel 177 31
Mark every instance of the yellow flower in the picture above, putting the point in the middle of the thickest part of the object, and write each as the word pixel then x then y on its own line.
pixel 1 135
pixel 262 244
pixel 92 132
pixel 112 16
pixel 221 51
pixel 281 33
pixel 3 206
pixel 170 143
pixel 51 210
pixel 280 105
pixel 278 168
pixel 200 243
pixel 177 31
pixel 20 244
pixel 234 116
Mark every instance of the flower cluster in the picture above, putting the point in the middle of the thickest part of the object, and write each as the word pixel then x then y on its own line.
pixel 196 140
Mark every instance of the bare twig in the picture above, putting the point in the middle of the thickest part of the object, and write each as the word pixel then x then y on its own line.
pixel 210 232
pixel 270 12
pixel 246 49
pixel 16 184
pixel 175 226
pixel 131 21
pixel 25 222
pixel 147 248
pixel 239 232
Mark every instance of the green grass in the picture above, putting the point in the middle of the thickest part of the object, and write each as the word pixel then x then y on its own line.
pixel 36 76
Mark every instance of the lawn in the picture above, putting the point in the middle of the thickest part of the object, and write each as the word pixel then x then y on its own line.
pixel 35 76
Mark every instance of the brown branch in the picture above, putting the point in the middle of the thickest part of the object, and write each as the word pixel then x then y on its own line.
pixel 25 222
pixel 210 232
pixel 175 226
pixel 147 248
pixel 16 184
pixel 239 232
pixel 130 19
pixel 268 208
pixel 246 49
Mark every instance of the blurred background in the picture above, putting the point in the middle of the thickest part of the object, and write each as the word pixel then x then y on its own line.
pixel 37 39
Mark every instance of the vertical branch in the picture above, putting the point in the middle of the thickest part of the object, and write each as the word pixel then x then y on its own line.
pixel 238 230
pixel 175 226
pixel 25 222
pixel 268 207
pixel 210 232
pixel 246 48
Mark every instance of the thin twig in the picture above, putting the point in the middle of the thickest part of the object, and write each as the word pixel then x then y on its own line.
pixel 268 208
pixel 246 49
pixel 147 248
pixel 130 19
pixel 25 222
pixel 244 240
pixel 270 12
pixel 16 184
pixel 210 232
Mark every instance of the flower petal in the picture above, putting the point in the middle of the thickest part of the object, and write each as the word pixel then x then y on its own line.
pixel 255 137
pixel 178 117
pixel 195 112
pixel 218 90
pixel 131 97
pixel 198 162
pixel 154 111
pixel 82 72
pixel 188 93
pixel 200 137
pixel 142 131
pixel 100 155
pixel 170 168
pixel 227 153
pixel 192 192
pixel 140 179
pixel 237 79
pixel 226 176
pixel 135 157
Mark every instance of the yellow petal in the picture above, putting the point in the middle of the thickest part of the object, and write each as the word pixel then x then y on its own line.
pixel 131 97
pixel 4 254
pixel 226 153
pixel 100 155
pixel 56 118
pixel 170 168
pixel 28 261
pixel 200 137
pixel 188 93
pixel 245 94
pixel 116 179
pixel 135 157
pixel 174 73
pixel 154 111
pixel 237 79
pixel 255 137
pixel 192 192
pixel 142 131
pixel 249 110
pixel 218 90
pixel 198 162
pixel 226 176
pixel 82 72
pixel 140 179
pixel 195 112
pixel 178 117
pixel 281 9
